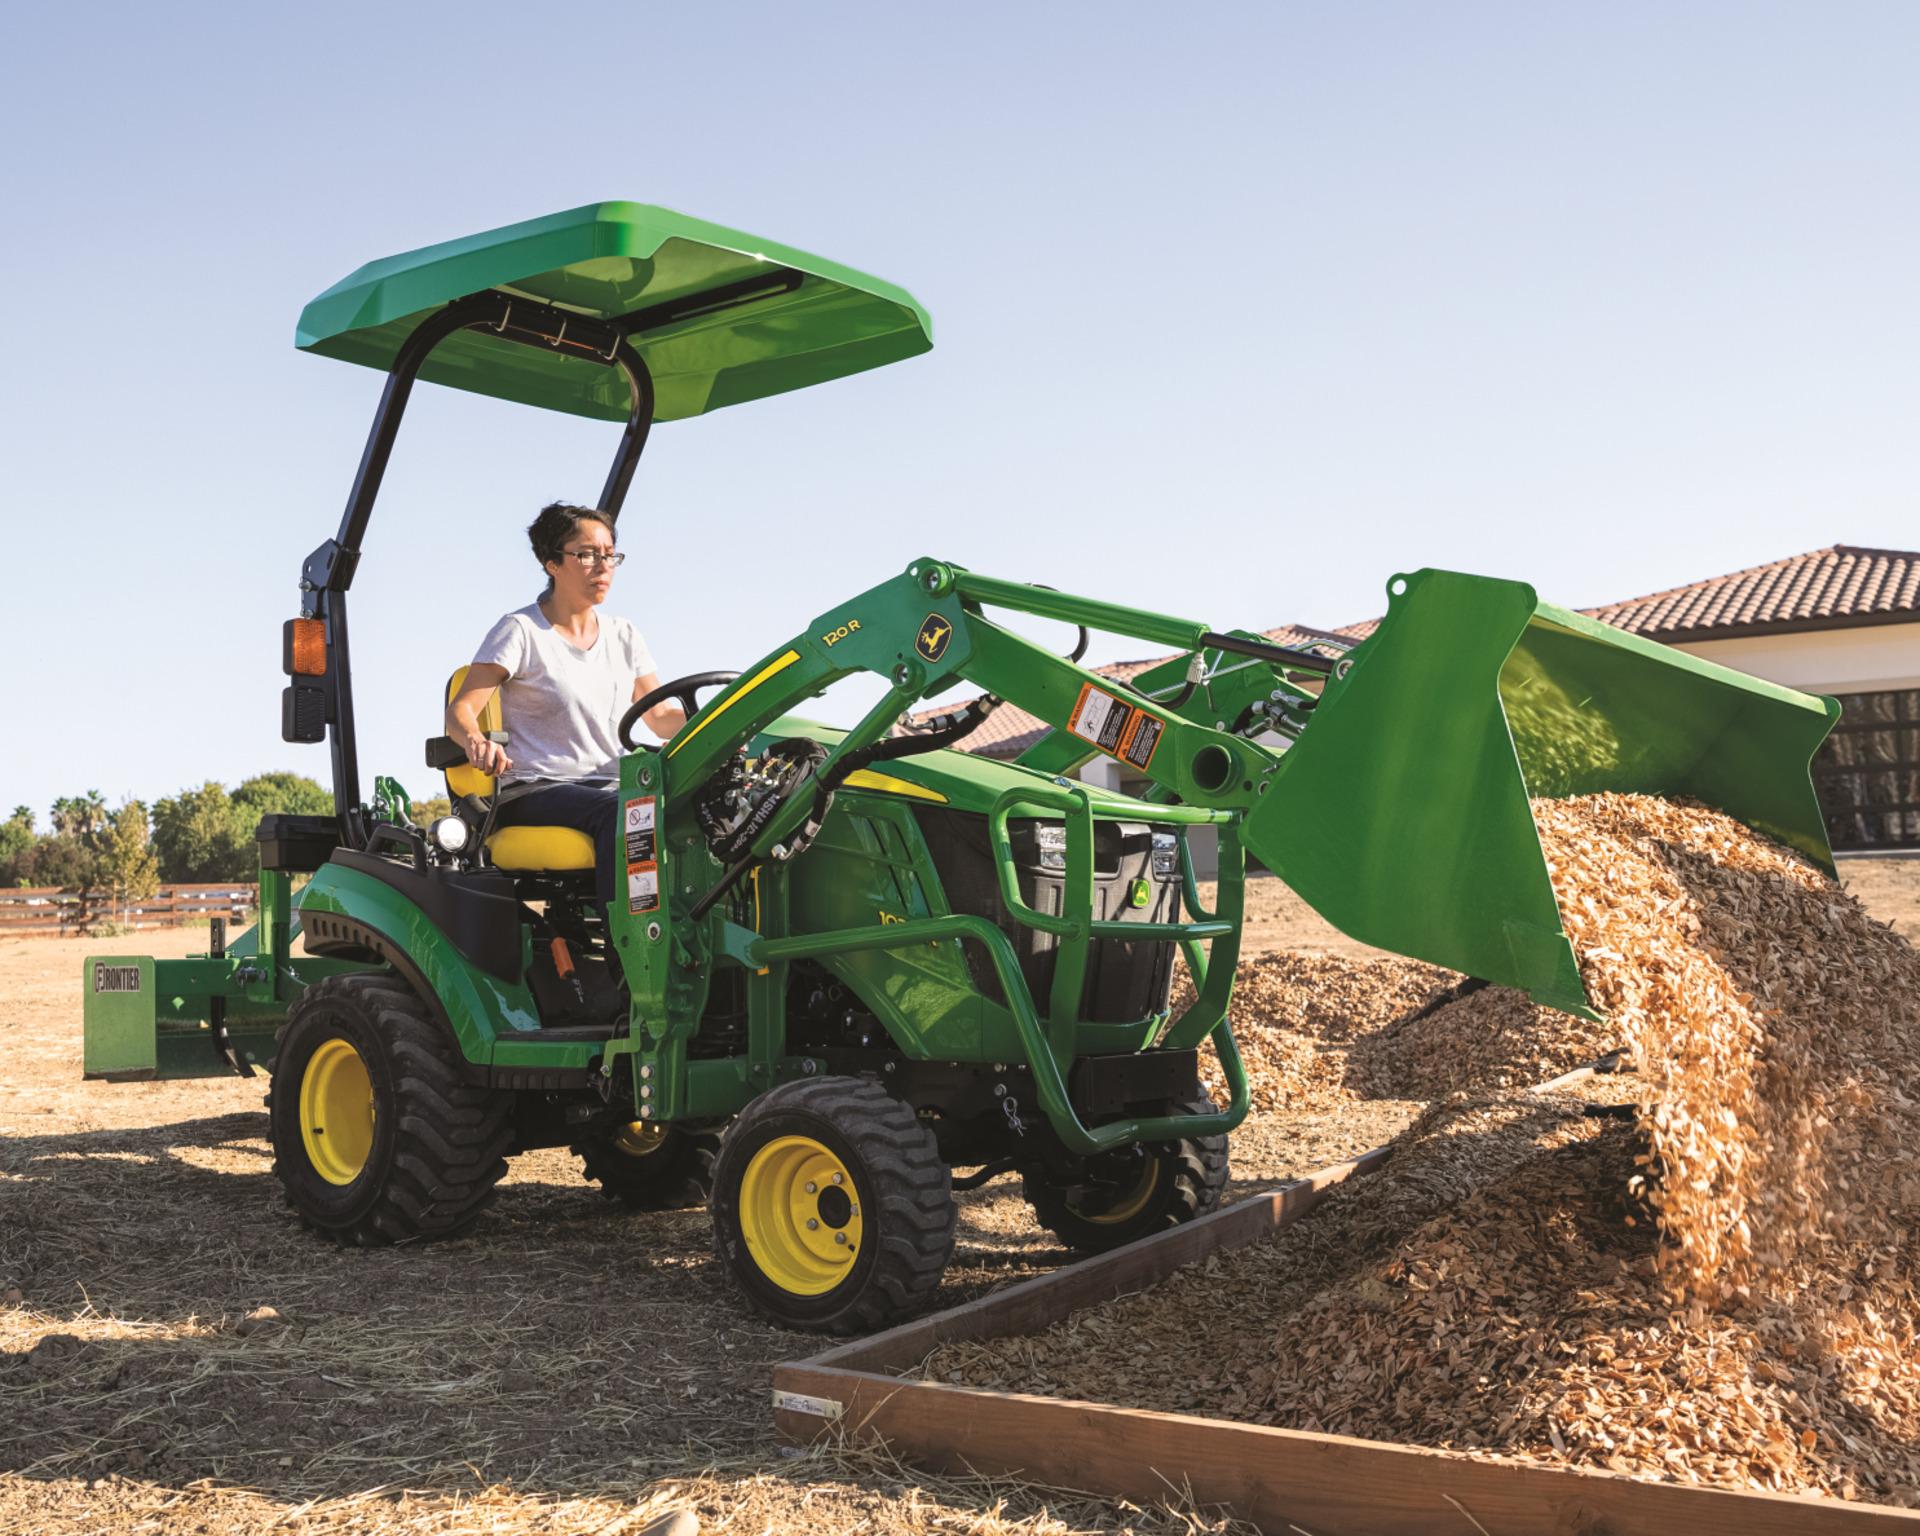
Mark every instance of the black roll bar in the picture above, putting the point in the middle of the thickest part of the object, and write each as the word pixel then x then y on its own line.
pixel 328 572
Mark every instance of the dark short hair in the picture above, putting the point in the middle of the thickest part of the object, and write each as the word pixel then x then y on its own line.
pixel 558 522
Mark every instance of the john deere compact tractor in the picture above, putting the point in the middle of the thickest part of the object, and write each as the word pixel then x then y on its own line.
pixel 850 962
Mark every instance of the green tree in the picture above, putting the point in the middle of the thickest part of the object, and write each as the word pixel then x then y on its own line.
pixel 81 816
pixel 205 834
pixel 193 837
pixel 288 793
pixel 69 855
pixel 59 859
pixel 126 864
pixel 426 812
pixel 16 843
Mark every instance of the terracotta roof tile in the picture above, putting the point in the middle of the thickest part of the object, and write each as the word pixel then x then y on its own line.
pixel 1007 732
pixel 1842 583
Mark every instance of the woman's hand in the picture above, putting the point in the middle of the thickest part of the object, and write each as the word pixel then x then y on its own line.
pixel 666 720
pixel 488 756
pixel 463 718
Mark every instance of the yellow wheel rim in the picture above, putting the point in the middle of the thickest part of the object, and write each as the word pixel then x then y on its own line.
pixel 800 1215
pixel 639 1138
pixel 336 1112
pixel 1128 1206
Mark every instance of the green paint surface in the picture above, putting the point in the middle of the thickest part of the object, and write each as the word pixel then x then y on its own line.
pixel 608 260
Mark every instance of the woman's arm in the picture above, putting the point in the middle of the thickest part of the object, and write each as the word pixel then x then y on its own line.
pixel 663 719
pixel 463 718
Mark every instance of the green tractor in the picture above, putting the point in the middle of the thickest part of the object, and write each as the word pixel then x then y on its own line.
pixel 850 962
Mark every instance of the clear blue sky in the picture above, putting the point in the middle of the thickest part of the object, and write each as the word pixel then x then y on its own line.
pixel 1239 309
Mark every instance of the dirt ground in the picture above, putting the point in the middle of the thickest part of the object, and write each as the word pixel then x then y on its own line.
pixel 570 1365
pixel 177 1356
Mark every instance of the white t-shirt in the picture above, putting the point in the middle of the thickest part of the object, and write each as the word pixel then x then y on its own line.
pixel 563 705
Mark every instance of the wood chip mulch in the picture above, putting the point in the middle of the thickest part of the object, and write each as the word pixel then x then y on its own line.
pixel 1721 1290
pixel 1322 1031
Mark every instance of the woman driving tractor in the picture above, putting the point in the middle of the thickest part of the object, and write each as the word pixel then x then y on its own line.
pixel 567 676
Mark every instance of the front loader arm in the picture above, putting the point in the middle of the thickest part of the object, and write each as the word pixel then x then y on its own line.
pixel 1248 695
pixel 924 630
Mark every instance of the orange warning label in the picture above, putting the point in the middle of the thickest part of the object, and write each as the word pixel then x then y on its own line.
pixel 1117 728
pixel 643 868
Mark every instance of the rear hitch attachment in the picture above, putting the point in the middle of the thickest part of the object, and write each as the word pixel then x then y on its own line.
pixel 217 1006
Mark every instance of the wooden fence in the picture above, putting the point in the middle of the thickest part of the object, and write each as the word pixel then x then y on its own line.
pixel 47 909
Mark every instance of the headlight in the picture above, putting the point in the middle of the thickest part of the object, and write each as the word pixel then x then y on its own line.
pixel 1166 854
pixel 1050 837
pixel 449 834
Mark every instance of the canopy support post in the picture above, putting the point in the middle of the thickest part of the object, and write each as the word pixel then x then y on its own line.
pixel 328 572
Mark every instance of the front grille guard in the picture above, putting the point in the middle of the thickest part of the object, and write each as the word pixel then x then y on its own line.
pixel 1049 1042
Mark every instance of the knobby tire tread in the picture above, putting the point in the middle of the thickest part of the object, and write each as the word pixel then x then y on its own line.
pixel 912 1204
pixel 451 1135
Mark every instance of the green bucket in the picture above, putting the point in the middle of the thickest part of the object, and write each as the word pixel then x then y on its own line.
pixel 1401 814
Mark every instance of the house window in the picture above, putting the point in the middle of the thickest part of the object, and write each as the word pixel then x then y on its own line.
pixel 1868 774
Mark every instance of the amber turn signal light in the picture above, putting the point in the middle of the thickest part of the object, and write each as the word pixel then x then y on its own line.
pixel 303 648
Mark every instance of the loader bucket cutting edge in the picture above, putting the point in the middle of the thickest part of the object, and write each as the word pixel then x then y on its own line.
pixel 1402 815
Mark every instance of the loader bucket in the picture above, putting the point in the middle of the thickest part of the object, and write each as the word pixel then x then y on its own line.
pixel 1401 814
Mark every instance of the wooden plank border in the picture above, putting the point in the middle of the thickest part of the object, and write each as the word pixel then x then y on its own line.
pixel 1275 1478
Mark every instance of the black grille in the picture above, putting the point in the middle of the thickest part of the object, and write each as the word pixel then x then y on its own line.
pixel 1126 980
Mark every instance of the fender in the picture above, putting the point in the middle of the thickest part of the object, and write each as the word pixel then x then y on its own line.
pixel 480 1008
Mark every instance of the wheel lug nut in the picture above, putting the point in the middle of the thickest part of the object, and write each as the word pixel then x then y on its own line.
pixel 839 1178
pixel 840 1238
pixel 812 1187
pixel 813 1224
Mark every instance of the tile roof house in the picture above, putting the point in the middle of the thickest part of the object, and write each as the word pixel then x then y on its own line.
pixel 1833 588
pixel 1843 620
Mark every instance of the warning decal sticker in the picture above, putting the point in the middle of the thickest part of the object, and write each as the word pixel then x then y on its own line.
pixel 1141 739
pixel 640 830
pixel 1116 728
pixel 1100 718
pixel 643 869
pixel 643 888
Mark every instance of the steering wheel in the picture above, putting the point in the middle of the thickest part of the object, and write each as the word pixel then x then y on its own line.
pixel 682 689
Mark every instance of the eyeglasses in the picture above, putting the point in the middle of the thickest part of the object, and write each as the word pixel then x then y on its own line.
pixel 589 558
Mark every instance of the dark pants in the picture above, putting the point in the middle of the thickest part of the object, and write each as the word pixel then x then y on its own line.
pixel 592 808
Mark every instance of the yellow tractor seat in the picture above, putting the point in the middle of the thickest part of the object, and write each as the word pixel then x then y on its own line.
pixel 528 849
pixel 540 848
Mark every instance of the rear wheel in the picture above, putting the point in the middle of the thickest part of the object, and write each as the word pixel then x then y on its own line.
pixel 651 1167
pixel 1132 1191
pixel 832 1208
pixel 377 1135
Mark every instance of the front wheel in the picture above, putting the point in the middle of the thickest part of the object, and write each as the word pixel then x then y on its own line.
pixel 832 1209
pixel 1133 1191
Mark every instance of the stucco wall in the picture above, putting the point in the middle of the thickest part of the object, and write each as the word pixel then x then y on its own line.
pixel 1863 660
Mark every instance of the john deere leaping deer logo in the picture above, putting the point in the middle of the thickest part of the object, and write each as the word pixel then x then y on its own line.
pixel 932 640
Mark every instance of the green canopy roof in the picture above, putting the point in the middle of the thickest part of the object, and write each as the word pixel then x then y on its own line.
pixel 648 268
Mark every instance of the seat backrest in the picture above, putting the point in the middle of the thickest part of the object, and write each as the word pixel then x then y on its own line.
pixel 467 779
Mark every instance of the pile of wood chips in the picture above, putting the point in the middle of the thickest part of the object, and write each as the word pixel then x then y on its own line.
pixel 1295 1014
pixel 1722 1290
pixel 1776 1027
pixel 1492 1038
pixel 1318 1031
